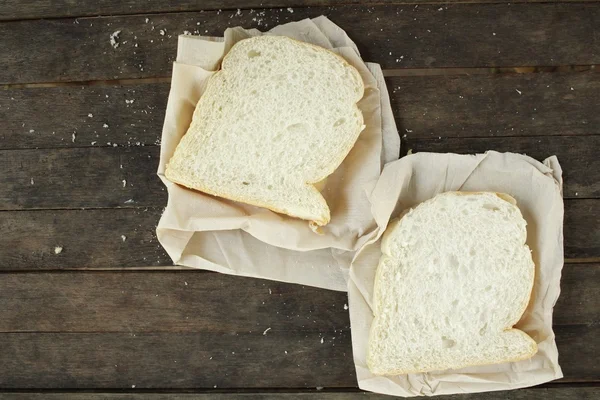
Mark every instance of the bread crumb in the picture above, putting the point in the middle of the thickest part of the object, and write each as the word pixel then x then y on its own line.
pixel 31 130
pixel 105 126
pixel 129 101
pixel 266 330
pixel 147 20
pixel 32 182
pixel 123 237
pixel 73 138
pixel 270 292
pixel 130 201
pixel 290 10
pixel 114 39
pixel 321 340
pixel 162 32
pixel 124 183
pixel 58 250
pixel 93 143
pixel 133 386
pixel 518 91
pixel 345 306
pixel 185 283
pixel 90 115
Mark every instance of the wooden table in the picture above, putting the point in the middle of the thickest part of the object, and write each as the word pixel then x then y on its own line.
pixel 90 302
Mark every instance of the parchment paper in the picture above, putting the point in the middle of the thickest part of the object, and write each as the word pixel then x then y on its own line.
pixel 537 187
pixel 203 231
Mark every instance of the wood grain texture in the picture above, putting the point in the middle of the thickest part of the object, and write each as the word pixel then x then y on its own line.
pixel 581 241
pixel 556 104
pixel 396 36
pixel 204 359
pixel 31 9
pixel 532 104
pixel 578 155
pixel 159 301
pixel 88 238
pixel 97 116
pixel 556 393
pixel 81 177
pixel 91 239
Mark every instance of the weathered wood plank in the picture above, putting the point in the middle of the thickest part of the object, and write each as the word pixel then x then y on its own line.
pixel 424 106
pixel 91 239
pixel 97 115
pixel 125 176
pixel 80 177
pixel 556 393
pixel 578 155
pixel 175 301
pixel 397 36
pixel 31 9
pixel 223 360
pixel 144 301
pixel 533 104
pixel 579 241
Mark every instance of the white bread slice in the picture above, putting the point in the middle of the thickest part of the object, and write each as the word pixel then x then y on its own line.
pixel 280 116
pixel 455 275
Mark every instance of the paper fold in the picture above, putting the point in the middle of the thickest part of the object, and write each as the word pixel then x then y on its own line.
pixel 203 231
pixel 405 183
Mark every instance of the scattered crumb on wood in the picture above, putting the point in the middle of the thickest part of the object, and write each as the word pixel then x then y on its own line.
pixel 31 181
pixel 114 39
pixel 265 331
pixel 123 237
pixel 345 306
pixel 105 126
pixel 124 183
pixel 73 137
pixel 58 250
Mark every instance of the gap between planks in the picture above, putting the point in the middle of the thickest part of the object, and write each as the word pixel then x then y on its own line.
pixel 172 268
pixel 397 72
pixel 270 390
pixel 245 5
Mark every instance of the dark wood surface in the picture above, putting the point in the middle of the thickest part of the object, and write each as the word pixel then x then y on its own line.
pixel 29 9
pixel 396 36
pixel 111 315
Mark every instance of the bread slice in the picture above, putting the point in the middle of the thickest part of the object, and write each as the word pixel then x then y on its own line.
pixel 280 116
pixel 455 275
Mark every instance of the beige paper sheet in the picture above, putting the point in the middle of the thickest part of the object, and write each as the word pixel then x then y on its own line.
pixel 537 187
pixel 207 232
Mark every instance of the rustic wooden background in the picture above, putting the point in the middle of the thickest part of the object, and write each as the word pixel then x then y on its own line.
pixel 113 318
